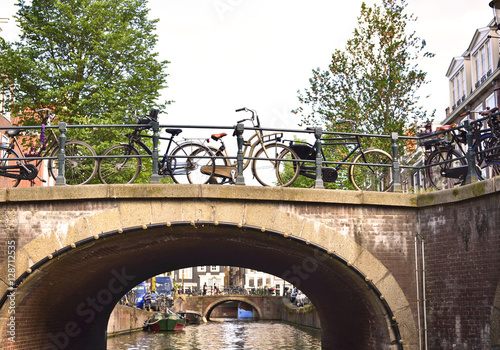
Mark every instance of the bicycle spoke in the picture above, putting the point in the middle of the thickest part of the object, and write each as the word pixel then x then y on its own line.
pixel 270 172
pixel 372 177
pixel 119 170
pixel 436 172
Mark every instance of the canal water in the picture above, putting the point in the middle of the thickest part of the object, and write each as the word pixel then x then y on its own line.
pixel 226 334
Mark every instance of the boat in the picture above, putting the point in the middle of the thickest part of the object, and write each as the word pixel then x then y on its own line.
pixel 192 317
pixel 165 321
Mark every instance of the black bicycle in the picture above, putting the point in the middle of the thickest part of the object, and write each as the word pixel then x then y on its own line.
pixel 369 170
pixel 445 153
pixel 122 163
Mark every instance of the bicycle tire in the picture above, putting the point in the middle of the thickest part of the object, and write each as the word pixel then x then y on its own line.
pixel 433 172
pixel 119 170
pixel 6 152
pixel 371 177
pixel 78 171
pixel 278 172
pixel 487 163
pixel 193 163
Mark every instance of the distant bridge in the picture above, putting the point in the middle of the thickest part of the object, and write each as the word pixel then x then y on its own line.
pixel 266 307
pixel 384 270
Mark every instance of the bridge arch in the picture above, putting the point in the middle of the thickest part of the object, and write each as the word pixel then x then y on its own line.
pixel 90 274
pixel 210 307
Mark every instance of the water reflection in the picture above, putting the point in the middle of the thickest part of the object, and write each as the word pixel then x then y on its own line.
pixel 231 334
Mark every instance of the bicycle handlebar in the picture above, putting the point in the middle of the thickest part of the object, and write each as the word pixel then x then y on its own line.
pixel 49 115
pixel 253 118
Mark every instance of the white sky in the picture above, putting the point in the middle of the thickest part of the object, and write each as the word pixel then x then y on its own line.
pixel 227 54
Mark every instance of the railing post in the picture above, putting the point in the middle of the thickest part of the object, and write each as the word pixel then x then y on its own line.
pixel 240 179
pixel 318 183
pixel 470 155
pixel 396 181
pixel 61 157
pixel 155 178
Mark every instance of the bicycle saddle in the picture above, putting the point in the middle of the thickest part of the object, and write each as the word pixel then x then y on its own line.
pixel 13 132
pixel 216 137
pixel 445 127
pixel 174 132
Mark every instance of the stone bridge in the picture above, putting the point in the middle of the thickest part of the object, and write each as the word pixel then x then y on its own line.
pixel 266 307
pixel 384 270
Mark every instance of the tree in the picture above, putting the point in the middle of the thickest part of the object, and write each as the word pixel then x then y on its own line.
pixel 91 61
pixel 374 81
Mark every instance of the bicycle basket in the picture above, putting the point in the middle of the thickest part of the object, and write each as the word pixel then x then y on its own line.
pixel 304 151
pixel 153 116
pixel 462 136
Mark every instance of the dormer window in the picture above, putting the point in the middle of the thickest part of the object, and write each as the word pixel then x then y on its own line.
pixel 483 63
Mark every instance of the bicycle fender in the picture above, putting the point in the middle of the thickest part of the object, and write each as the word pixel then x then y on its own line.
pixel 377 149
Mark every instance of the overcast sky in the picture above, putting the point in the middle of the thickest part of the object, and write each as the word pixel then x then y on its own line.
pixel 227 54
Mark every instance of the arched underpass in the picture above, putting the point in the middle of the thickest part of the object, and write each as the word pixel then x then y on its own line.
pixel 88 280
pixel 231 303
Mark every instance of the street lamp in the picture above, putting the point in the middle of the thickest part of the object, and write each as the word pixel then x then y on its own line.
pixel 495 5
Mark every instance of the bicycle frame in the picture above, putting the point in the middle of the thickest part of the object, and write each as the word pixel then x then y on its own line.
pixel 165 162
pixel 40 153
pixel 309 171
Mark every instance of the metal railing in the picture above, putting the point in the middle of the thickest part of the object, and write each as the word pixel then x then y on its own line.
pixel 239 129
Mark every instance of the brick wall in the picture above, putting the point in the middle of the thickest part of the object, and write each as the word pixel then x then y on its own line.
pixel 462 257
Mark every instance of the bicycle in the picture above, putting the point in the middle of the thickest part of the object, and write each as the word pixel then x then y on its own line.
pixel 79 169
pixel 266 153
pixel 370 169
pixel 487 150
pixel 121 163
pixel 445 163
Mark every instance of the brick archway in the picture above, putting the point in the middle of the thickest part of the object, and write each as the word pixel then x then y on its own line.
pixel 333 269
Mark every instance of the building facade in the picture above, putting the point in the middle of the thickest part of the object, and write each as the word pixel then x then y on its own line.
pixel 194 278
pixel 474 77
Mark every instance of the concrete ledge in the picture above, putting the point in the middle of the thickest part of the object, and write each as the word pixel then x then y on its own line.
pixel 248 193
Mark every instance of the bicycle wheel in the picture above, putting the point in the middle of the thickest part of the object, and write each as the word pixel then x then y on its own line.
pixel 487 163
pixel 119 170
pixel 374 177
pixel 78 171
pixel 279 172
pixel 192 163
pixel 435 171
pixel 6 152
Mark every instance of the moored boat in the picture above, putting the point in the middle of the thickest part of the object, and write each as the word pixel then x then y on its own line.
pixel 192 317
pixel 168 321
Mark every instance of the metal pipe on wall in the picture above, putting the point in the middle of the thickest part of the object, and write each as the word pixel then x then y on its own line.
pixel 417 277
pixel 423 293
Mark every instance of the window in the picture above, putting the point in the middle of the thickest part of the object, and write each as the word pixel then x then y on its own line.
pixel 5 139
pixel 464 85
pixel 490 101
pixel 453 95
pixel 3 98
pixel 490 57
pixel 478 70
pixel 483 61
pixel 202 269
pixel 187 273
pixel 251 282
pixel 214 268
